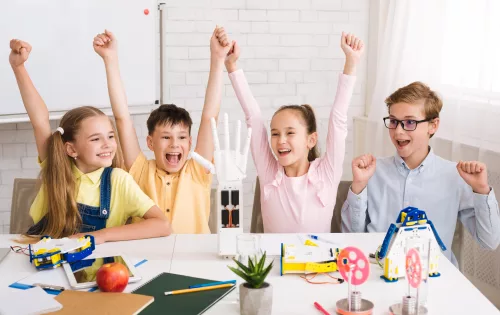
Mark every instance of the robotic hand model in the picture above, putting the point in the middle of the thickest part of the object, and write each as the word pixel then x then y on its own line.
pixel 230 168
pixel 412 223
pixel 50 253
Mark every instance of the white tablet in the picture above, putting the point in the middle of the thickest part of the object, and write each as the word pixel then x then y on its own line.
pixel 82 274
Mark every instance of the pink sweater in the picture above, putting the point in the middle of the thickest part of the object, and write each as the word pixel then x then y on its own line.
pixel 297 204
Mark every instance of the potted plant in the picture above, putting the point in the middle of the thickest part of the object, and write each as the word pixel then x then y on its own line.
pixel 256 295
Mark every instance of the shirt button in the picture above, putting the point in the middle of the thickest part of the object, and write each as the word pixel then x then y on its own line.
pixel 168 183
pixel 168 210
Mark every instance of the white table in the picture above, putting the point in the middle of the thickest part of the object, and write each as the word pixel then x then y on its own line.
pixel 195 255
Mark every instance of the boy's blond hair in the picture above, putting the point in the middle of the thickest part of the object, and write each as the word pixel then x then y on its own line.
pixel 415 92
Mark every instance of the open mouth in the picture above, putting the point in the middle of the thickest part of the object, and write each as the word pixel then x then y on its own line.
pixel 284 152
pixel 173 158
pixel 105 155
pixel 402 143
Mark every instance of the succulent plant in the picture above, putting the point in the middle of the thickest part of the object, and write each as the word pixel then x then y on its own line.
pixel 254 273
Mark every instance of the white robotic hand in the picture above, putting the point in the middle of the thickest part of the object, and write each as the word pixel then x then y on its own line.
pixel 230 165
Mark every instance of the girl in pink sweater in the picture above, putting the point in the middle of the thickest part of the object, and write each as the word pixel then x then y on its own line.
pixel 298 187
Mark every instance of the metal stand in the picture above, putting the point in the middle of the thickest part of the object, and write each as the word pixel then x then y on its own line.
pixel 354 304
pixel 408 307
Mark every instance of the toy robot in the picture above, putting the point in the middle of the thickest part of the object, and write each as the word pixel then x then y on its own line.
pixel 412 223
pixel 50 253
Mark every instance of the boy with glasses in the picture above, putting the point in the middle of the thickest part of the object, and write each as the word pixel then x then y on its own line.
pixel 416 177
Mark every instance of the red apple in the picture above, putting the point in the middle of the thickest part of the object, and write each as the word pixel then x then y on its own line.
pixel 112 277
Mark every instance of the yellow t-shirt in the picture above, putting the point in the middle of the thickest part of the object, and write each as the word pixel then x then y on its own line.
pixel 184 197
pixel 127 199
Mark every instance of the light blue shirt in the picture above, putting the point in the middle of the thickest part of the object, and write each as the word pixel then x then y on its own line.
pixel 435 187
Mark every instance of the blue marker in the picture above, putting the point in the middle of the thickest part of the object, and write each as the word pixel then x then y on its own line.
pixel 321 239
pixel 212 284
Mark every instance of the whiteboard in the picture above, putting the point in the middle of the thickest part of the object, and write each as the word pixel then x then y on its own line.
pixel 63 65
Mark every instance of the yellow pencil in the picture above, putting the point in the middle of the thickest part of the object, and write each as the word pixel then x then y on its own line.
pixel 199 289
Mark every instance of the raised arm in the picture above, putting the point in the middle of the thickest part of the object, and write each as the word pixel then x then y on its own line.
pixel 33 102
pixel 356 205
pixel 337 125
pixel 479 210
pixel 106 46
pixel 219 48
pixel 263 157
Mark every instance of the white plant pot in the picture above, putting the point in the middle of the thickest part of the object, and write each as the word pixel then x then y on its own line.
pixel 256 301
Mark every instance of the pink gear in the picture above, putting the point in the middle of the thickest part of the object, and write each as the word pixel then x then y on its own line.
pixel 352 258
pixel 413 268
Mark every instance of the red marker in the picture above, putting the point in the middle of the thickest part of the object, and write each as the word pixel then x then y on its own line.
pixel 146 11
pixel 320 308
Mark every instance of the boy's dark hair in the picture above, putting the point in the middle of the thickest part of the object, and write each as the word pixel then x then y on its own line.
pixel 168 114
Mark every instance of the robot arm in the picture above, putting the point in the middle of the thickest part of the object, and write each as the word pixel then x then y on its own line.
pixel 436 235
pixel 387 241
pixel 230 168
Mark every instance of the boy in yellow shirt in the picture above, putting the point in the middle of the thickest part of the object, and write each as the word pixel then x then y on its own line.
pixel 179 186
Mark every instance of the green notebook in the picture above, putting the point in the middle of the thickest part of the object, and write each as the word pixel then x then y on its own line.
pixel 181 304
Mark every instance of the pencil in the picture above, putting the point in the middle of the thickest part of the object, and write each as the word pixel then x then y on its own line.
pixel 199 289
pixel 211 284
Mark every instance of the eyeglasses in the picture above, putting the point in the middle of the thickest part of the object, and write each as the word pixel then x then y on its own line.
pixel 407 124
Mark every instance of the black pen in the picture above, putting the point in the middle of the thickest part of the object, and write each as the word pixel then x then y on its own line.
pixel 49 287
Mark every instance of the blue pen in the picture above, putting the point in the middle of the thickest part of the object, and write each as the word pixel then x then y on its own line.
pixel 211 284
pixel 318 238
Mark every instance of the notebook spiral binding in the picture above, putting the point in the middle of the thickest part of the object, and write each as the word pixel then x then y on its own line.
pixel 149 281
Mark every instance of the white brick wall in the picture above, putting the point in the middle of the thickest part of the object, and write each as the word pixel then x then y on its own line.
pixel 290 54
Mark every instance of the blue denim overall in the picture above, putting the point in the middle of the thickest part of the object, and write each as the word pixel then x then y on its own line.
pixel 93 218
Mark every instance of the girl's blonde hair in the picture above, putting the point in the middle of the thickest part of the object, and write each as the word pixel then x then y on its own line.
pixel 62 217
pixel 307 113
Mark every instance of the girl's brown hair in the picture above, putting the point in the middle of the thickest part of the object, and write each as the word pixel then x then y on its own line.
pixel 307 113
pixel 63 218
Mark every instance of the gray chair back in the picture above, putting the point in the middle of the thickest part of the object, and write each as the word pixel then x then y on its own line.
pixel 23 194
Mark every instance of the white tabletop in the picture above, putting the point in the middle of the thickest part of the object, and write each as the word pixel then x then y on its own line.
pixel 195 255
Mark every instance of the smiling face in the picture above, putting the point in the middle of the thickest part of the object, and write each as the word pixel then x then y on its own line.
pixel 290 141
pixel 94 144
pixel 171 145
pixel 412 145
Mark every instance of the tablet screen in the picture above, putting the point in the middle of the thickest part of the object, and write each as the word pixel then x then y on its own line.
pixel 85 270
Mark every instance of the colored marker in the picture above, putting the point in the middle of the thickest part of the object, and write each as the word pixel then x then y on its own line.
pixel 212 284
pixel 320 308
pixel 321 239
pixel 49 287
